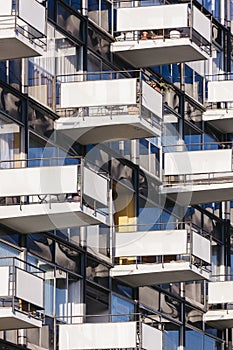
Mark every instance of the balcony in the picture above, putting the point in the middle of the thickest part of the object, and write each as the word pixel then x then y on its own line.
pixel 44 198
pixel 119 331
pixel 115 107
pixel 146 258
pixel 22 29
pixel 220 299
pixel 196 177
pixel 20 305
pixel 219 111
pixel 157 35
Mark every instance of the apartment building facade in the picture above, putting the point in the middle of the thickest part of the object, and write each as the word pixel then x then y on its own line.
pixel 116 174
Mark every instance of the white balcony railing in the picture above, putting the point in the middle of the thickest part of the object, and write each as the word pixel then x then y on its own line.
pixel 21 306
pixel 219 104
pixel 22 28
pixel 198 173
pixel 220 300
pixel 51 191
pixel 198 163
pixel 120 331
pixel 158 28
pixel 110 99
pixel 163 254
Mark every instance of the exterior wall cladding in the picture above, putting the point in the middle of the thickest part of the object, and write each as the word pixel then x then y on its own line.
pixel 116 180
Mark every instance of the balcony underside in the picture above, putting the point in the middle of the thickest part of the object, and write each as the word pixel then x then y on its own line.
pixel 14 45
pixel 201 193
pixel 146 53
pixel 43 217
pixel 220 319
pixel 16 320
pixel 92 130
pixel 221 119
pixel 150 274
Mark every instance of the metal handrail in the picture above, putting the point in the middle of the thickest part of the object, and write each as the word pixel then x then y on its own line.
pixel 21 262
pixel 165 225
pixel 112 318
pixel 50 159
pixel 183 146
pixel 12 299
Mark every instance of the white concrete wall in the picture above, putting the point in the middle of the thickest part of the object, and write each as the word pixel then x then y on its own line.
pixel 198 162
pixel 99 93
pixel 90 336
pixel 146 243
pixel 38 180
pixel 220 292
pixel 220 91
pixel 152 17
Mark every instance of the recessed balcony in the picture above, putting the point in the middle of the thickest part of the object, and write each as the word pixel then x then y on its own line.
pixel 109 106
pixel 220 300
pixel 22 29
pixel 120 333
pixel 146 258
pixel 219 111
pixel 195 177
pixel 20 305
pixel 165 34
pixel 44 198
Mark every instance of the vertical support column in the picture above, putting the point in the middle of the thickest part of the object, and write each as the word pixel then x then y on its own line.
pixel 22 339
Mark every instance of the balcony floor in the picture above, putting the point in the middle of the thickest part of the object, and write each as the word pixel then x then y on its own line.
pixel 220 319
pixel 150 274
pixel 201 193
pixel 221 119
pixel 92 130
pixel 14 45
pixel 42 217
pixel 146 53
pixel 16 320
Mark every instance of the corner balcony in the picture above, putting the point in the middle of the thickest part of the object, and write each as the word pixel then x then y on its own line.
pixel 115 107
pixel 220 298
pixel 21 306
pixel 145 258
pixel 198 177
pixel 115 332
pixel 22 29
pixel 219 110
pixel 45 198
pixel 165 34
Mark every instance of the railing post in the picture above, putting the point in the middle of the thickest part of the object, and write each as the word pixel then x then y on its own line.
pixel 140 332
pixel 13 285
pixel 54 93
pixel 190 18
pixel 191 246
pixel 81 177
pixel 140 93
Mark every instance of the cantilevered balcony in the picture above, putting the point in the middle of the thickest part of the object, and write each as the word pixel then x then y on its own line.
pixel 146 258
pixel 115 107
pixel 22 29
pixel 219 111
pixel 157 35
pixel 220 300
pixel 49 197
pixel 112 332
pixel 21 294
pixel 195 177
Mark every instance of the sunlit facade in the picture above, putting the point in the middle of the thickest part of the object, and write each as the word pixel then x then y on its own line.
pixel 116 179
